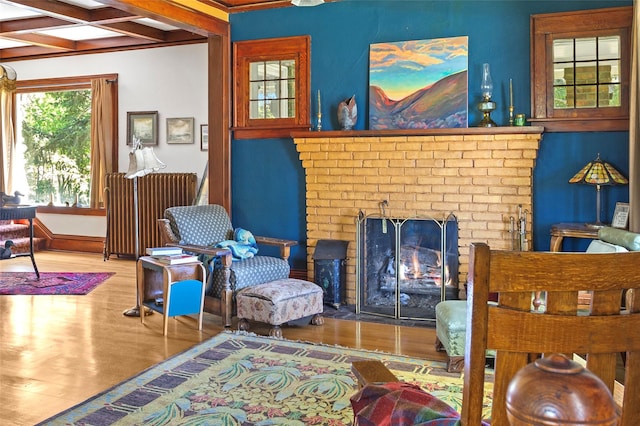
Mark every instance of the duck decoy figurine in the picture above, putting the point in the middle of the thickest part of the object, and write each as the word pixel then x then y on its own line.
pixel 348 113
pixel 5 252
pixel 11 199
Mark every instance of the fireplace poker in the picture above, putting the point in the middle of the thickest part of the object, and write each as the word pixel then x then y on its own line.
pixel 523 231
pixel 512 230
pixel 518 230
pixel 383 204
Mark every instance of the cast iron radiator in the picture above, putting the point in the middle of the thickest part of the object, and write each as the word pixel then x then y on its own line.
pixel 156 192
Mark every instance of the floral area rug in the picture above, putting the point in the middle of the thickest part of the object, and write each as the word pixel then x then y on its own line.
pixel 69 283
pixel 243 379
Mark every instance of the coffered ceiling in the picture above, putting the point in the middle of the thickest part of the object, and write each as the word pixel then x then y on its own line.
pixel 45 28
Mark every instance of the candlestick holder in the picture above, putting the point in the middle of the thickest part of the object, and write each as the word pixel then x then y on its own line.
pixel 510 102
pixel 319 115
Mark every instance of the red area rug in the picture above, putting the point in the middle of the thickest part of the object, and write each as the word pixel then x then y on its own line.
pixel 69 283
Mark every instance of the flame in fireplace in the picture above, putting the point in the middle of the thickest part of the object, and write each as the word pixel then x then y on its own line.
pixel 411 268
pixel 416 265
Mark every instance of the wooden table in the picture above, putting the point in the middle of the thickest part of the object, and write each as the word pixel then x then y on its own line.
pixel 17 213
pixel 572 230
pixel 558 232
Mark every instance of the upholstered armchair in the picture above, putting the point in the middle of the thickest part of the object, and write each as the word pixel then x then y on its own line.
pixel 198 229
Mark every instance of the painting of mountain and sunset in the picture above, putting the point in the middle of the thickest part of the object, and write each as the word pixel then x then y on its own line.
pixel 419 84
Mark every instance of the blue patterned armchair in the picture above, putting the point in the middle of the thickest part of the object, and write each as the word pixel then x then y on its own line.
pixel 198 229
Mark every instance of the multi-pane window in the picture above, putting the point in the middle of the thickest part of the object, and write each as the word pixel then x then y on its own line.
pixel 52 158
pixel 580 64
pixel 586 72
pixel 272 89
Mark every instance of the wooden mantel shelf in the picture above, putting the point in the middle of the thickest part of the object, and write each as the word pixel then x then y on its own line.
pixel 507 130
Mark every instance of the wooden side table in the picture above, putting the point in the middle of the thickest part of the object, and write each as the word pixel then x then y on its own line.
pixel 22 212
pixel 180 287
pixel 573 230
pixel 558 232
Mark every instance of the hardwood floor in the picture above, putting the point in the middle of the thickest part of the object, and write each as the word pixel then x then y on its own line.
pixel 57 351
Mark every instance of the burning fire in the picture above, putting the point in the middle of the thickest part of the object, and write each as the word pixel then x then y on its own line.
pixel 413 270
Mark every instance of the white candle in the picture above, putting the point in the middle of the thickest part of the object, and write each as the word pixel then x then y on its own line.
pixel 510 92
pixel 319 101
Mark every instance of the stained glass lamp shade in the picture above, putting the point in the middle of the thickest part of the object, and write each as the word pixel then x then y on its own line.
pixel 599 173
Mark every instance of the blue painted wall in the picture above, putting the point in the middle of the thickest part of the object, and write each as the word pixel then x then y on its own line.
pixel 268 187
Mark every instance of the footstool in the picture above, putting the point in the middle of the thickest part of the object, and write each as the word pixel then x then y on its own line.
pixel 451 332
pixel 278 302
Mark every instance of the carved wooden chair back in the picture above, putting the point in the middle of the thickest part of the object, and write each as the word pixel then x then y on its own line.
pixel 518 333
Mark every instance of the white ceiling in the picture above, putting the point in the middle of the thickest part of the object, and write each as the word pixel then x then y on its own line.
pixel 73 31
pixel 46 28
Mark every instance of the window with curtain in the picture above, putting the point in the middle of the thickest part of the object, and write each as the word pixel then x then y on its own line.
pixel 64 140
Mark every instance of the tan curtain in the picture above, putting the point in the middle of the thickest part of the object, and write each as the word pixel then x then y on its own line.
pixel 7 136
pixel 634 125
pixel 102 137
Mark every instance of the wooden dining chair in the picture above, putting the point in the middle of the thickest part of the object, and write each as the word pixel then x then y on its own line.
pixel 518 333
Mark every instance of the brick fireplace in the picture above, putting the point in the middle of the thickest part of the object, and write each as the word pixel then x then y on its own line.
pixel 481 175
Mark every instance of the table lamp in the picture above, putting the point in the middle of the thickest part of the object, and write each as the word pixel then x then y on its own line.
pixel 598 173
pixel 142 161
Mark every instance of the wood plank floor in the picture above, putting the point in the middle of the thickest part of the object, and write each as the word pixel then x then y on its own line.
pixel 57 351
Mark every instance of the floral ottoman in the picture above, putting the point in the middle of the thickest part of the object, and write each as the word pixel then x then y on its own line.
pixel 278 302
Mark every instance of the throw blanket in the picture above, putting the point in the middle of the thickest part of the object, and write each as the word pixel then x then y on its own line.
pixel 243 245
pixel 401 404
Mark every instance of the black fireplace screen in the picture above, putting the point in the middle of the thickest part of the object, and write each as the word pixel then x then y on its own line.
pixel 406 266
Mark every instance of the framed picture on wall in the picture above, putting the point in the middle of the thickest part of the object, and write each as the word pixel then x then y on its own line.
pixel 204 137
pixel 180 130
pixel 443 62
pixel 143 126
pixel 620 216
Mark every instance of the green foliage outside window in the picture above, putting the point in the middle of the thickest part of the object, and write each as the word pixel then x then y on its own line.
pixel 560 97
pixel 56 132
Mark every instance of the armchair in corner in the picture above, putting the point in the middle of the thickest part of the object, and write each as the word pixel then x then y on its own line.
pixel 200 230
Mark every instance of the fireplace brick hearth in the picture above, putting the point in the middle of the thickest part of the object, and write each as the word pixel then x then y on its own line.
pixel 480 175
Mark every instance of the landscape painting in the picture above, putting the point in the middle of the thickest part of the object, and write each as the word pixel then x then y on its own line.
pixel 419 84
